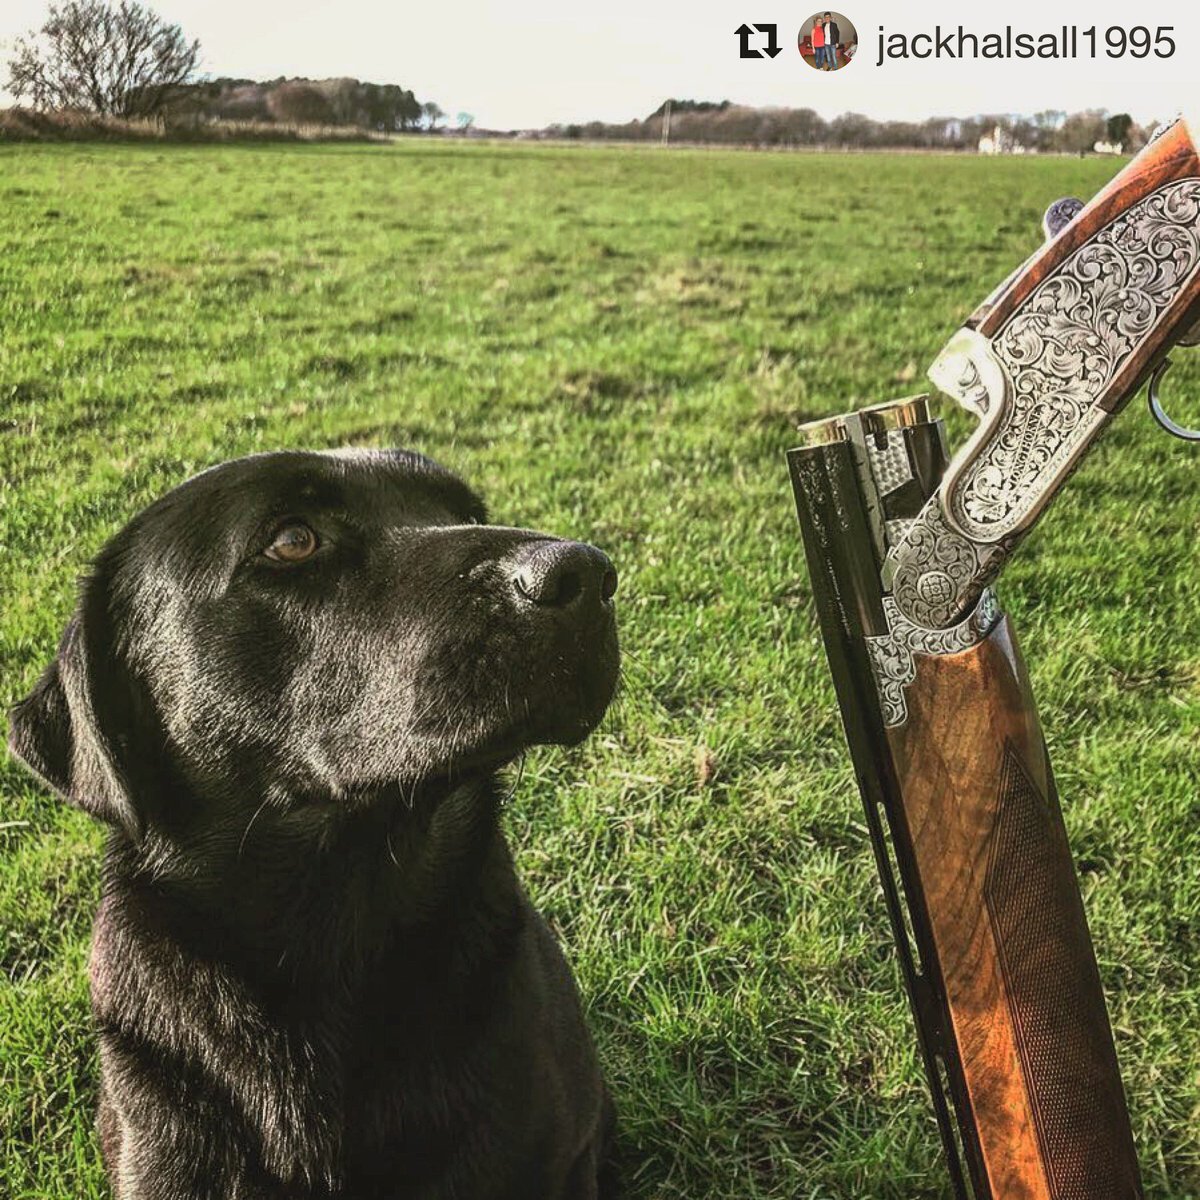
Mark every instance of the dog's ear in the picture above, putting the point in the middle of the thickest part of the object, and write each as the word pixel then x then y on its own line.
pixel 64 730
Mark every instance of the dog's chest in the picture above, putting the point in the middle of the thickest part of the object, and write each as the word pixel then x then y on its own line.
pixel 420 1072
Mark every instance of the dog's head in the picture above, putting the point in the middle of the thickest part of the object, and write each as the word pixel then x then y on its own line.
pixel 317 625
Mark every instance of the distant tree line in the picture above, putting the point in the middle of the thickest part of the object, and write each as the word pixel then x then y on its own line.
pixel 342 101
pixel 123 60
pixel 732 124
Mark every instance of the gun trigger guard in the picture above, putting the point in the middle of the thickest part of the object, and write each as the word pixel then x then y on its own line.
pixel 1159 414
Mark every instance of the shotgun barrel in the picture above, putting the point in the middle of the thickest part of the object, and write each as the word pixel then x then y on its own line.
pixel 903 548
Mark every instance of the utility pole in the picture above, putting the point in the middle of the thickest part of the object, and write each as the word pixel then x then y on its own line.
pixel 666 136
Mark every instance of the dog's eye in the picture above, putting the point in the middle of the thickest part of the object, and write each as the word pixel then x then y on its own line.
pixel 293 543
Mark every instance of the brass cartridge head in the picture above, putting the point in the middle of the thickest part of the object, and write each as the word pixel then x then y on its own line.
pixel 824 432
pixel 875 418
pixel 895 414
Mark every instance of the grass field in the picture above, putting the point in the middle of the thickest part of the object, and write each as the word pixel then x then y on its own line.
pixel 614 344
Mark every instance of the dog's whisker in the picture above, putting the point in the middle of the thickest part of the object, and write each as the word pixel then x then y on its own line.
pixel 507 798
pixel 250 825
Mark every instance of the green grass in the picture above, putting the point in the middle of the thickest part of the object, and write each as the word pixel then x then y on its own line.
pixel 616 345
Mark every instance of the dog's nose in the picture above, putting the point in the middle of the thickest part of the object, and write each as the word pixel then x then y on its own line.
pixel 557 574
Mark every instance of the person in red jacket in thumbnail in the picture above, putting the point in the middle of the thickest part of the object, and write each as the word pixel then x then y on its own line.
pixel 818 41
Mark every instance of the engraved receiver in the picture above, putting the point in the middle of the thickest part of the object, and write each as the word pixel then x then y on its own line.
pixel 902 547
pixel 1047 361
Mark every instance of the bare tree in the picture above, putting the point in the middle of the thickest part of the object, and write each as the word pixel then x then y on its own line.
pixel 432 114
pixel 1082 130
pixel 118 60
pixel 465 120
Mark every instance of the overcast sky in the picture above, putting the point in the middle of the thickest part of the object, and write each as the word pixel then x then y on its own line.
pixel 528 63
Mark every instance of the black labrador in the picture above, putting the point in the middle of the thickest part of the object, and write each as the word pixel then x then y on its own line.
pixel 288 686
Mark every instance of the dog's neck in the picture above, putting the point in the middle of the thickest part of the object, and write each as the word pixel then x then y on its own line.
pixel 315 892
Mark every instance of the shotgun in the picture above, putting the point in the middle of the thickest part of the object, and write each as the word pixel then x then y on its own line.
pixel 903 546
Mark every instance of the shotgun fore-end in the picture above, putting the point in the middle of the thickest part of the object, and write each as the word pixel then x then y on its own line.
pixel 1010 941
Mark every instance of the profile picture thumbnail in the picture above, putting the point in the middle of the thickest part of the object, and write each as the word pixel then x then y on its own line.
pixel 827 41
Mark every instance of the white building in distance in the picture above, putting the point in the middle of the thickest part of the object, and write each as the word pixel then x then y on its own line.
pixel 1000 141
